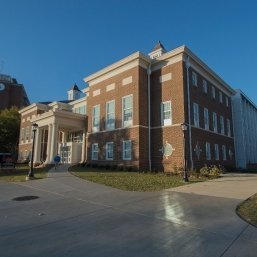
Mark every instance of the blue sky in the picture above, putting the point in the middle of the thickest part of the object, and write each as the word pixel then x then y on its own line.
pixel 48 45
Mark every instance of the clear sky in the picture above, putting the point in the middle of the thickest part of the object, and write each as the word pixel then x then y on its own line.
pixel 48 45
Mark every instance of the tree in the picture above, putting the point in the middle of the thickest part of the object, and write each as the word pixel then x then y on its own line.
pixel 9 130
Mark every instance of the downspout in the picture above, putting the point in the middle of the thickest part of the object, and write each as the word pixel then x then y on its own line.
pixel 149 114
pixel 189 113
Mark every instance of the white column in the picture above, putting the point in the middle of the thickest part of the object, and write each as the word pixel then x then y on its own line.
pixel 83 146
pixel 37 145
pixel 48 149
pixel 54 141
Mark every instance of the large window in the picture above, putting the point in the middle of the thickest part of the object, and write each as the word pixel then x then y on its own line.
pixel 196 114
pixel 81 109
pixel 222 130
pixel 205 89
pixel 110 115
pixel 214 122
pixel 228 128
pixel 109 151
pixel 224 153
pixel 127 150
pixel 94 151
pixel 194 78
pixel 208 151
pixel 213 92
pixel 216 152
pixel 27 133
pixel 127 110
pixel 206 118
pixel 166 113
pixel 96 118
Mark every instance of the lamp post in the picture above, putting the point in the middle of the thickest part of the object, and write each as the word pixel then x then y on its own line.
pixel 31 174
pixel 184 129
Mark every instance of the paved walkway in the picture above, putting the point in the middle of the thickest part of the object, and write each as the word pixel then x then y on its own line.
pixel 73 217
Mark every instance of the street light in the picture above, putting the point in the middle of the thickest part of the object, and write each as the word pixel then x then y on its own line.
pixel 184 129
pixel 31 174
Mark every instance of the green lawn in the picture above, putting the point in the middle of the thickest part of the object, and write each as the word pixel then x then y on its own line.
pixel 248 210
pixel 131 181
pixel 20 172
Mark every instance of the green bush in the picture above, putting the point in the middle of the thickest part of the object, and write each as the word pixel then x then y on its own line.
pixel 205 171
pixel 215 171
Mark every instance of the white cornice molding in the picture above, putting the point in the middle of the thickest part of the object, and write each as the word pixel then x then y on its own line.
pixel 33 107
pixel 129 62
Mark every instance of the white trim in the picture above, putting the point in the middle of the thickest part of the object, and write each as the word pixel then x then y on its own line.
pixel 108 131
pixel 92 152
pixel 96 129
pixel 168 121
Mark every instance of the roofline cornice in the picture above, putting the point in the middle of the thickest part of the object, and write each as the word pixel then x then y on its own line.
pixel 122 62
pixel 33 106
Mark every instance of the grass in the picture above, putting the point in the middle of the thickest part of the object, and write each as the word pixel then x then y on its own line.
pixel 247 210
pixel 130 181
pixel 20 172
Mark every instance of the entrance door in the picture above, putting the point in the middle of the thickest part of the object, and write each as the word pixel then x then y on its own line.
pixel 65 154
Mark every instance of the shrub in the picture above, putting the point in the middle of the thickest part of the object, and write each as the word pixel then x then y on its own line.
pixel 94 165
pixel 205 171
pixel 215 171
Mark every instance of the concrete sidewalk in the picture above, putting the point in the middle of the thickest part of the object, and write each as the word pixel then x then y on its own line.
pixel 235 186
pixel 73 217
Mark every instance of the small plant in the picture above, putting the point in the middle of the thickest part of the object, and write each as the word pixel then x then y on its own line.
pixel 215 171
pixel 205 171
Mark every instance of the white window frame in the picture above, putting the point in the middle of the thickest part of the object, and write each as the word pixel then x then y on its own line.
pixel 27 133
pixel 124 143
pixel 108 124
pixel 194 78
pixel 213 92
pixel 107 151
pixel 224 153
pixel 205 86
pixel 22 134
pixel 228 127
pixel 222 126
pixel 206 119
pixel 216 152
pixel 221 97
pixel 196 115
pixel 208 151
pixel 129 122
pixel 95 128
pixel 95 150
pixel 214 122
pixel 166 122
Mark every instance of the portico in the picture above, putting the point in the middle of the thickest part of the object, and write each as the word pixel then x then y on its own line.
pixel 59 130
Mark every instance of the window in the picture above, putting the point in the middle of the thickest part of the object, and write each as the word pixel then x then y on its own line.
pixel 213 92
pixel 208 151
pixel 228 128
pixel 194 79
pixel 206 118
pixel 80 110
pixel 196 114
pixel 127 150
pixel 216 152
pixel 109 151
pixel 222 130
pixel 96 118
pixel 22 134
pixel 110 115
pixel 214 122
pixel 94 151
pixel 27 131
pixel 224 153
pixel 166 113
pixel 227 104
pixel 221 97
pixel 127 111
pixel 205 90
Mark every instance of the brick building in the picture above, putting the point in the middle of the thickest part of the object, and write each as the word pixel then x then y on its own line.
pixel 135 111
pixel 12 93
